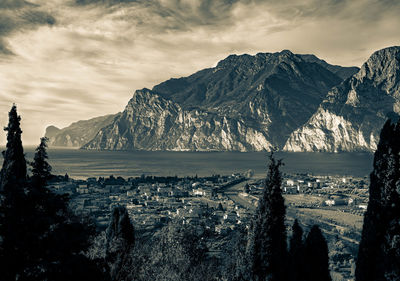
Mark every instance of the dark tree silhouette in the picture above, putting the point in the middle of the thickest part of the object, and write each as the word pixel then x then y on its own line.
pixel 296 252
pixel 40 238
pixel 316 259
pixel 13 173
pixel 120 239
pixel 379 250
pixel 268 253
pixel 13 184
pixel 41 169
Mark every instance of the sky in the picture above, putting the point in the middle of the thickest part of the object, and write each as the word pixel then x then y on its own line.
pixel 67 60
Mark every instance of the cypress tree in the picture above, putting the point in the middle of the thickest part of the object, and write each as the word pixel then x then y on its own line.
pixel 296 252
pixel 269 248
pixel 316 259
pixel 13 173
pixel 41 169
pixel 40 238
pixel 13 183
pixel 379 250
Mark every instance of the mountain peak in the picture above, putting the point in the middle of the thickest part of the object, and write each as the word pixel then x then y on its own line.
pixel 51 131
pixel 388 52
pixel 383 68
pixel 286 52
pixel 352 115
pixel 256 59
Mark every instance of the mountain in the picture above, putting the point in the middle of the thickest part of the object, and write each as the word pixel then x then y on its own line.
pixel 78 133
pixel 342 72
pixel 150 122
pixel 245 103
pixel 353 113
pixel 52 131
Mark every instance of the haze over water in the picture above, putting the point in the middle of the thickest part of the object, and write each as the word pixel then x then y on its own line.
pixel 82 164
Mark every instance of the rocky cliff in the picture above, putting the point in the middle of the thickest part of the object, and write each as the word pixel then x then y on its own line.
pixel 245 103
pixel 78 133
pixel 273 92
pixel 150 122
pixel 352 115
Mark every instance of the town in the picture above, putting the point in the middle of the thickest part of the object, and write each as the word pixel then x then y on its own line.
pixel 218 204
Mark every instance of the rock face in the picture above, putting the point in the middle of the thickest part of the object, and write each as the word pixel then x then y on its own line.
pixel 245 103
pixel 353 113
pixel 52 131
pixel 150 122
pixel 273 92
pixel 78 133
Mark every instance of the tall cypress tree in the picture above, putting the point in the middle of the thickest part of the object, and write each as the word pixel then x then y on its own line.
pixel 296 252
pixel 13 173
pixel 379 250
pixel 13 183
pixel 40 238
pixel 269 248
pixel 316 259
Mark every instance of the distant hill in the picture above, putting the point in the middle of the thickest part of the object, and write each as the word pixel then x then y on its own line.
pixel 78 133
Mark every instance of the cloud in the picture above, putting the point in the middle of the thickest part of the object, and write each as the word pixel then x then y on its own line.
pixel 80 59
pixel 18 15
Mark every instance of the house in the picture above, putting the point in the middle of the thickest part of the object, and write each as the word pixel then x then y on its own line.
pixel 230 217
pixel 291 189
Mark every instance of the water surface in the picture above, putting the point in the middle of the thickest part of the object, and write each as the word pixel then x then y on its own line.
pixel 84 164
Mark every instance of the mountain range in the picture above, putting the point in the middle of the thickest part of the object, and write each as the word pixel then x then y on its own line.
pixel 250 103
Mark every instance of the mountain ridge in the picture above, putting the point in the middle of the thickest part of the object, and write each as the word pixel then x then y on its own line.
pixel 266 97
pixel 352 114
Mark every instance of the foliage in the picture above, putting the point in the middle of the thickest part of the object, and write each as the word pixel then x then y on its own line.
pixel 41 169
pixel 268 253
pixel 120 240
pixel 178 253
pixel 379 254
pixel 296 252
pixel 316 259
pixel 40 238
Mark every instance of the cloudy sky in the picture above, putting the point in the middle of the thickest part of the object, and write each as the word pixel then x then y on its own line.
pixel 67 60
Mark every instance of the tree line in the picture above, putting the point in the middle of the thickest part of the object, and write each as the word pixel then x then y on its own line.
pixel 42 239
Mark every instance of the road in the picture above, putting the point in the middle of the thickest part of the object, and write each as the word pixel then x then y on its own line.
pixel 233 194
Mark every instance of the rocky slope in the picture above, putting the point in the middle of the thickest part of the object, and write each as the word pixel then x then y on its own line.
pixel 245 103
pixel 273 92
pixel 78 133
pixel 150 122
pixel 352 115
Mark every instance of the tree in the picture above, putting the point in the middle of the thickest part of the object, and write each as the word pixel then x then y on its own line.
pixel 235 265
pixel 178 253
pixel 246 188
pixel 41 169
pixel 296 252
pixel 268 250
pixel 120 240
pixel 40 237
pixel 379 250
pixel 316 259
pixel 13 173
pixel 13 182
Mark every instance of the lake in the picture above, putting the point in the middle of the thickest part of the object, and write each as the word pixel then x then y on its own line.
pixel 83 164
